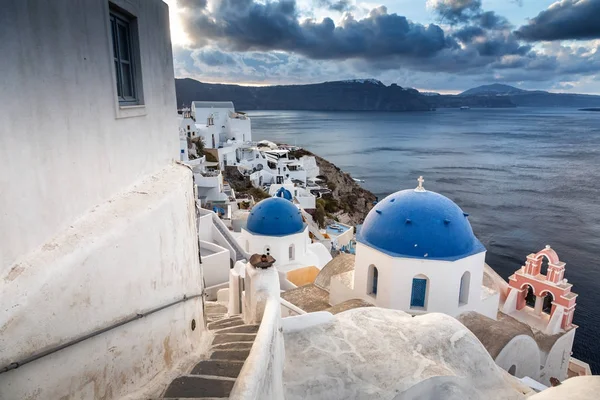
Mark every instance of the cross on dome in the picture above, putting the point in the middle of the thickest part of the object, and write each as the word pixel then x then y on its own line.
pixel 420 188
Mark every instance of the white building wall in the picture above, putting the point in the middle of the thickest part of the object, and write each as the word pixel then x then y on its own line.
pixel 556 362
pixel 84 147
pixel 395 277
pixel 216 264
pixel 305 253
pixel 240 129
pixel 133 253
pixel 523 353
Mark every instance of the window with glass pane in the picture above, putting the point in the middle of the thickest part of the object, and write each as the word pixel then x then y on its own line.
pixel 123 57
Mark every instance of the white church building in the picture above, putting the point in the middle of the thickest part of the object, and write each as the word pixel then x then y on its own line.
pixel 275 227
pixel 416 252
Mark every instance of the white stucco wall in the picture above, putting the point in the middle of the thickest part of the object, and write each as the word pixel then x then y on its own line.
pixel 395 277
pixel 279 248
pixel 63 147
pixel 215 263
pixel 556 362
pixel 135 252
pixel 522 352
pixel 261 376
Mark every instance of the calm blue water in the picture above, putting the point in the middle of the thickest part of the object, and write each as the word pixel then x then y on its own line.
pixel 528 177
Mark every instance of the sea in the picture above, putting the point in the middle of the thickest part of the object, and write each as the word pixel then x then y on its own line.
pixel 528 177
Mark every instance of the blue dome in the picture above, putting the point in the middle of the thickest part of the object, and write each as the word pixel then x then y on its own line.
pixel 275 217
pixel 419 225
pixel 284 193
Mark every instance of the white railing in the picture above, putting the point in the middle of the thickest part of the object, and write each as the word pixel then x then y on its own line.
pixel 261 376
pixel 289 309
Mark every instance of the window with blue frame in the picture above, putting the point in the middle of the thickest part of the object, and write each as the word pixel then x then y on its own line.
pixel 375 277
pixel 419 293
pixel 372 280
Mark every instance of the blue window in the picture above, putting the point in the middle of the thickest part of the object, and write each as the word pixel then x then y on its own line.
pixel 419 291
pixel 375 276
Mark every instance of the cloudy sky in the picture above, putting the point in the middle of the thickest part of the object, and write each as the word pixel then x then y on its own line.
pixel 436 45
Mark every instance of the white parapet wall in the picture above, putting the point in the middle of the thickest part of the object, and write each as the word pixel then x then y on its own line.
pixel 261 376
pixel 135 252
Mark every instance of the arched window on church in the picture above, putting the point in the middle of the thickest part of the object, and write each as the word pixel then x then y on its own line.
pixel 372 281
pixel 530 297
pixel 547 306
pixel 247 246
pixel 292 252
pixel 465 285
pixel 418 295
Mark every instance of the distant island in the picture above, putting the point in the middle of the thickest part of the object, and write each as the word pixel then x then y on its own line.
pixel 370 95
pixel 533 98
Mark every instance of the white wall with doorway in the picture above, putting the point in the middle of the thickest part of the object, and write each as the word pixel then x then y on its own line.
pixel 441 279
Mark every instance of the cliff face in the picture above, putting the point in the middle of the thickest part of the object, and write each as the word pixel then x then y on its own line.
pixel 352 201
pixel 329 96
pixel 353 95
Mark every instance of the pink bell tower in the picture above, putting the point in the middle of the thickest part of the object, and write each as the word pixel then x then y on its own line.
pixel 547 297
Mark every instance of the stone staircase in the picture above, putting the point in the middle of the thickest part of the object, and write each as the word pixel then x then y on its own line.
pixel 214 377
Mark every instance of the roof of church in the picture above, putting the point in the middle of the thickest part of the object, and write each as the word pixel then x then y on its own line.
pixel 341 263
pixel 416 223
pixel 284 193
pixel 275 217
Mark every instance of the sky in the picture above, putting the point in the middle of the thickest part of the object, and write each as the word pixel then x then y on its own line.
pixel 444 46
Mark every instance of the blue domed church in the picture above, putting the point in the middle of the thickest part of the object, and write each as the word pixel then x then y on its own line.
pixel 417 252
pixel 275 227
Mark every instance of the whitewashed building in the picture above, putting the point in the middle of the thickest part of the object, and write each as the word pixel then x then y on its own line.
pixel 416 252
pixel 275 227
pixel 98 222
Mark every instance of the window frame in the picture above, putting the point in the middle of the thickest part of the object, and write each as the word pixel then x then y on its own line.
pixel 413 296
pixel 117 20
pixel 129 12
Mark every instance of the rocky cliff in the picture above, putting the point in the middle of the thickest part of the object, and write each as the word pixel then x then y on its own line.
pixel 351 203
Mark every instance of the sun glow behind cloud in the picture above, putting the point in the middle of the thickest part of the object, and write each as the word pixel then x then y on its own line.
pixel 178 35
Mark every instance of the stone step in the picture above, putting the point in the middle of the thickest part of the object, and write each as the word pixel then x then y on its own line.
pixel 225 323
pixel 239 329
pixel 230 355
pixel 229 369
pixel 194 387
pixel 215 316
pixel 191 398
pixel 232 337
pixel 233 346
pixel 214 308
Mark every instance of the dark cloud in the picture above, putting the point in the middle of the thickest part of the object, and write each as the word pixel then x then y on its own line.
pixel 564 20
pixel 269 41
pixel 337 5
pixel 245 25
pixel 491 20
pixel 456 11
